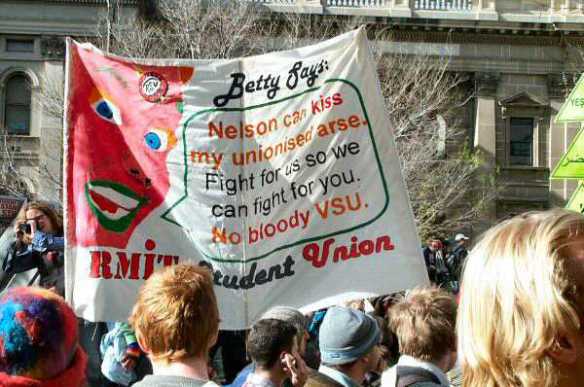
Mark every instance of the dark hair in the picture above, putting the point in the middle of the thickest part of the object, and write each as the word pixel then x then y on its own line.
pixel 267 339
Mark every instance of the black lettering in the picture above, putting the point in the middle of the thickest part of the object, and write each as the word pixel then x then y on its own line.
pixel 262 277
pixel 247 280
pixel 254 276
pixel 292 81
pixel 230 282
pixel 288 263
pixel 236 90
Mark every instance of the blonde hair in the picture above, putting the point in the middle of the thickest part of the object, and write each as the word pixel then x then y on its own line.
pixel 424 322
pixel 176 315
pixel 517 299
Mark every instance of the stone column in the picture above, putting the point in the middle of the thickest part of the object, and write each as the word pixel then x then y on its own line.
pixel 485 138
pixel 560 136
pixel 50 141
pixel 485 135
pixel 485 9
pixel 401 8
pixel 485 120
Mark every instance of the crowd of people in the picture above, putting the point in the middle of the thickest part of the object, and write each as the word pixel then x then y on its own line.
pixel 516 321
pixel 445 260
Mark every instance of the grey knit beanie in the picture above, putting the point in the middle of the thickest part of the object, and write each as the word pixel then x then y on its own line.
pixel 289 315
pixel 346 335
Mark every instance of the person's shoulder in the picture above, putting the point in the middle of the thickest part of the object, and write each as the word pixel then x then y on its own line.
pixel 410 375
pixel 317 379
pixel 173 381
pixel 242 376
pixel 426 384
pixel 388 377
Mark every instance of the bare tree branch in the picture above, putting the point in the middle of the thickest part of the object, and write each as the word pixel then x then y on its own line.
pixel 424 100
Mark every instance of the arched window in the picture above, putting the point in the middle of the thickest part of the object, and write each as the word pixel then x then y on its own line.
pixel 17 105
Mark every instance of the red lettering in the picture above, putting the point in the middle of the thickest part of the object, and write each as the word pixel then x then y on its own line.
pixel 127 265
pixel 218 235
pixel 149 265
pixel 106 261
pixel 124 263
pixel 95 262
pixel 318 254
pixel 168 260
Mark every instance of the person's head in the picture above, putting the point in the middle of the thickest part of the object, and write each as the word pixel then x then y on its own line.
pixel 461 239
pixel 176 316
pixel 430 244
pixel 349 340
pixel 269 340
pixel 46 218
pixel 436 245
pixel 294 317
pixel 39 340
pixel 424 321
pixel 521 305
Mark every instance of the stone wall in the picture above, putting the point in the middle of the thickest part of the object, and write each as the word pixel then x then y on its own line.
pixel 515 76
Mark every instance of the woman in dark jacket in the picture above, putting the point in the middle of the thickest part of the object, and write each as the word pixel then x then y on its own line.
pixel 39 244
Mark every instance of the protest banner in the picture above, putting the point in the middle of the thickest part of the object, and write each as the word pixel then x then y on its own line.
pixel 9 207
pixel 571 165
pixel 576 202
pixel 573 108
pixel 278 172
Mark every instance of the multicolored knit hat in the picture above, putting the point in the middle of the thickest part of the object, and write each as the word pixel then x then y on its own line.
pixel 38 333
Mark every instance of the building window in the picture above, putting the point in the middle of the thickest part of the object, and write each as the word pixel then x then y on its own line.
pixel 17 105
pixel 19 45
pixel 521 144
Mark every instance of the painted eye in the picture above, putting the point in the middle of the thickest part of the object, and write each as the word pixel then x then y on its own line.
pixel 105 108
pixel 160 140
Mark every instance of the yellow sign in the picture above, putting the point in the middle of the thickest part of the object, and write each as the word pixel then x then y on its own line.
pixel 573 109
pixel 571 166
pixel 576 202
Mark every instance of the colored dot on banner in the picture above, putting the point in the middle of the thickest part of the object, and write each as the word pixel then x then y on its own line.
pixel 150 244
pixel 153 140
pixel 104 110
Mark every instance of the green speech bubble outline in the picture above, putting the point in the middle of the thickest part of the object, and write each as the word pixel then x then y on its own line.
pixel 306 240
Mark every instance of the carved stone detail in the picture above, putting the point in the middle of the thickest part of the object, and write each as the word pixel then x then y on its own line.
pixel 53 47
pixel 486 83
pixel 559 85
pixel 434 36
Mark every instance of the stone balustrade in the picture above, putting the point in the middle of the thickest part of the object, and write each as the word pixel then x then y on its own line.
pixel 523 11
pixel 358 3
pixel 444 5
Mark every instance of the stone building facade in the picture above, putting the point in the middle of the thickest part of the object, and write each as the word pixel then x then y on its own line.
pixel 522 56
pixel 520 80
pixel 31 58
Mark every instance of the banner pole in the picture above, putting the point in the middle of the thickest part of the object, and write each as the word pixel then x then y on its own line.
pixel 65 136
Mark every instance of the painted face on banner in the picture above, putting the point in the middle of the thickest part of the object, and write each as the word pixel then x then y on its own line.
pixel 124 123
